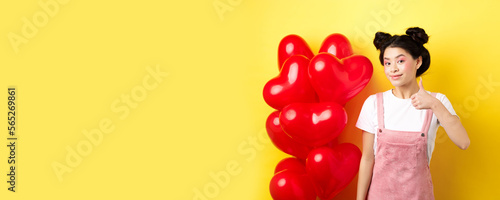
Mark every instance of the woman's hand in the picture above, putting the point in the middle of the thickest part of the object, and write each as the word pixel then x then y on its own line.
pixel 422 99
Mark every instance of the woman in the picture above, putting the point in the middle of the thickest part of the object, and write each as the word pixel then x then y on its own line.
pixel 399 125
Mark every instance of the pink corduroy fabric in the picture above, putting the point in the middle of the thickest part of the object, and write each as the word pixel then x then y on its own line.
pixel 401 169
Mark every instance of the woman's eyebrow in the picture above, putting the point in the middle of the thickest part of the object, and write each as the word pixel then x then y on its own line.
pixel 386 58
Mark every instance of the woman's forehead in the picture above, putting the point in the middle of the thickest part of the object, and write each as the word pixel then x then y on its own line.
pixel 394 52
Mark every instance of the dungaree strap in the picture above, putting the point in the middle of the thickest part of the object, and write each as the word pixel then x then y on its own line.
pixel 428 118
pixel 380 111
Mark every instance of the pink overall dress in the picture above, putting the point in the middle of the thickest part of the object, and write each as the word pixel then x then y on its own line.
pixel 401 168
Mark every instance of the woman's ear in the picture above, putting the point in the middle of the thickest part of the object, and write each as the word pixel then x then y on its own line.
pixel 419 62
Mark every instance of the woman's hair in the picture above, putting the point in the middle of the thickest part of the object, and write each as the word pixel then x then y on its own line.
pixel 413 42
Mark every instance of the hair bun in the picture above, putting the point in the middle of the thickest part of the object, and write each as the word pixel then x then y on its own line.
pixel 380 38
pixel 418 35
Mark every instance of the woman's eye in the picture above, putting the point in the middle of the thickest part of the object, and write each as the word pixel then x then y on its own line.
pixel 387 63
pixel 400 61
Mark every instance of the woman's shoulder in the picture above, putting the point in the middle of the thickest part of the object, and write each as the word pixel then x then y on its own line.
pixel 440 96
pixel 371 99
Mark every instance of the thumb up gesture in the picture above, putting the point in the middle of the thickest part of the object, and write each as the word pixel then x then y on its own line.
pixel 422 99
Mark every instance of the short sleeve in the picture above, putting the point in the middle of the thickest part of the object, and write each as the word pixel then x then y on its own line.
pixel 447 104
pixel 367 115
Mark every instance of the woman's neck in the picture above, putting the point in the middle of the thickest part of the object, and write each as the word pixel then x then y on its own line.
pixel 405 91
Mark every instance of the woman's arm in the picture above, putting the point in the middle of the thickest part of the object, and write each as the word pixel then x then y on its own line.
pixel 365 166
pixel 450 123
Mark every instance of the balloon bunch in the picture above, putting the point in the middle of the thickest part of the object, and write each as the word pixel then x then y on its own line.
pixel 309 94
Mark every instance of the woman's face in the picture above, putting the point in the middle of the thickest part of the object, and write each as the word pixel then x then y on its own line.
pixel 400 67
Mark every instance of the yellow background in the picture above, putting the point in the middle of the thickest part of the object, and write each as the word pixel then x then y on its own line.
pixel 207 115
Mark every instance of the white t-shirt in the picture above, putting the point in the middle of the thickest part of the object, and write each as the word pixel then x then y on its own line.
pixel 400 115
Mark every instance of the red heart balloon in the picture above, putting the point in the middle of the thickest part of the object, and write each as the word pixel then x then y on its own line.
pixel 313 124
pixel 292 45
pixel 339 80
pixel 338 45
pixel 291 85
pixel 282 141
pixel 332 169
pixel 291 164
pixel 290 185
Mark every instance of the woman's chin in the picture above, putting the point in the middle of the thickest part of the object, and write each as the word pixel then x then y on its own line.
pixel 397 83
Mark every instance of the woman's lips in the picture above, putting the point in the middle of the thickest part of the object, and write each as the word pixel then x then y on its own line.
pixel 395 77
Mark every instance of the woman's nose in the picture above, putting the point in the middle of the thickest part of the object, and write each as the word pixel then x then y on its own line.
pixel 394 69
